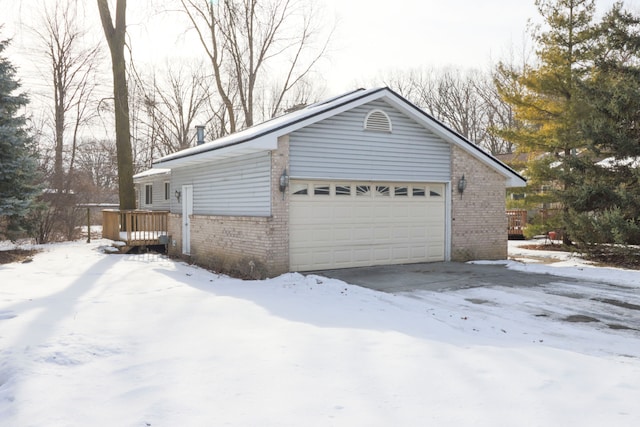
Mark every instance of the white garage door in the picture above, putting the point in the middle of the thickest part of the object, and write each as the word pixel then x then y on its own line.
pixel 351 224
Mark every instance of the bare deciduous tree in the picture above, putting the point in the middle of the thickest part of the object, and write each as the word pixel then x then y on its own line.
pixel 115 34
pixel 73 64
pixel 242 38
pixel 167 108
pixel 466 101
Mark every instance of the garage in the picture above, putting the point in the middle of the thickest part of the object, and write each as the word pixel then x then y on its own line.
pixel 363 178
pixel 352 224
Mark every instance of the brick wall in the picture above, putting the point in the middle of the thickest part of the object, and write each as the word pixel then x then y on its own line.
pixel 254 247
pixel 478 216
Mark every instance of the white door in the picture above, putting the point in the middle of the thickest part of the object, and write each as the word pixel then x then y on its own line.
pixel 351 224
pixel 187 211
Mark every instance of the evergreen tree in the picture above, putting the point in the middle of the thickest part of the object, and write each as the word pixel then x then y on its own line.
pixel 604 198
pixel 17 166
pixel 545 99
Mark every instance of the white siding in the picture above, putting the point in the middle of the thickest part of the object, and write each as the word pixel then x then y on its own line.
pixel 238 186
pixel 339 148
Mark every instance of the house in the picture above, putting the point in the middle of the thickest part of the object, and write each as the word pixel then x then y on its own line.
pixel 365 178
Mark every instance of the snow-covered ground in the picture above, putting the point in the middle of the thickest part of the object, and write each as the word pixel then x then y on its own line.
pixel 88 339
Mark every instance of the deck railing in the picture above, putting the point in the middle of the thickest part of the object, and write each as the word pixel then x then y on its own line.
pixel 517 221
pixel 135 227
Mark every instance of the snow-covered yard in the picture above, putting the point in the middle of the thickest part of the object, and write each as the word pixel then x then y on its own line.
pixel 88 339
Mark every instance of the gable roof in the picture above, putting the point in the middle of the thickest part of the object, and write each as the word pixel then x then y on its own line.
pixel 264 136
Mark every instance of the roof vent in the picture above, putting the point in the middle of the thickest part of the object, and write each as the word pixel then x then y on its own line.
pixel 377 120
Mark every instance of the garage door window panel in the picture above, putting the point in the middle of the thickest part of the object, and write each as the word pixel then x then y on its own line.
pixel 363 190
pixel 321 190
pixel 401 191
pixel 382 191
pixel 419 191
pixel 299 189
pixel 343 190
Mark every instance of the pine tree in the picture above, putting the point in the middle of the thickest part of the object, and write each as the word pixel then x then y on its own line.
pixel 604 198
pixel 545 99
pixel 17 166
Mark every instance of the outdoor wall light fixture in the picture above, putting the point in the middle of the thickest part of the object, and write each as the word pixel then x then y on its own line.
pixel 284 180
pixel 178 194
pixel 462 184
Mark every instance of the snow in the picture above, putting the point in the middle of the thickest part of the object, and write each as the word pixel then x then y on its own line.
pixel 565 264
pixel 152 172
pixel 611 162
pixel 88 338
pixel 141 235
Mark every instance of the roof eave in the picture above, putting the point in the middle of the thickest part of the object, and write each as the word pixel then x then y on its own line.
pixel 263 143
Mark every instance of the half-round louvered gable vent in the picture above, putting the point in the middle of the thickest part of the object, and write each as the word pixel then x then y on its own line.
pixel 377 120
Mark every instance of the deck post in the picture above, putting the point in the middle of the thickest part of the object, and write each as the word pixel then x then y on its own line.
pixel 88 225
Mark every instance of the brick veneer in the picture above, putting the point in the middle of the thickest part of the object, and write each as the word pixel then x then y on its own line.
pixel 478 216
pixel 247 246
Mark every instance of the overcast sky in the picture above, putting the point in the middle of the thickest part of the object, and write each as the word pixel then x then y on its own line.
pixel 371 36
pixel 376 35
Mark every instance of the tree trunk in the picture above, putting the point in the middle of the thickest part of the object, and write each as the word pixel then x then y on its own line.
pixel 116 38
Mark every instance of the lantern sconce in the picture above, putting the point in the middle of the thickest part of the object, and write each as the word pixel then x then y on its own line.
pixel 284 182
pixel 462 184
pixel 178 194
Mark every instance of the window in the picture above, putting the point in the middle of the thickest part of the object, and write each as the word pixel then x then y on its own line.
pixel 167 190
pixel 299 189
pixel 343 190
pixel 382 190
pixel 401 191
pixel 148 194
pixel 321 190
pixel 433 193
pixel 419 191
pixel 363 190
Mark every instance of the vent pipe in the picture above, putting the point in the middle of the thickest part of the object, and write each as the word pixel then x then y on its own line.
pixel 199 135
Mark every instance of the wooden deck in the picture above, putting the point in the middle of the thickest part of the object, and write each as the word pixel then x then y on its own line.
pixel 135 227
pixel 517 221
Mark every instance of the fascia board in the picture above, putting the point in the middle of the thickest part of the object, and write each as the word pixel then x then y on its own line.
pixel 263 143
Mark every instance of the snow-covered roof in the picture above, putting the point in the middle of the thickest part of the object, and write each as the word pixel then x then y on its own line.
pixel 264 136
pixel 151 172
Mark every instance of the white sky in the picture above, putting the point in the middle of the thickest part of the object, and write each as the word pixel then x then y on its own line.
pixel 375 35
pixel 372 36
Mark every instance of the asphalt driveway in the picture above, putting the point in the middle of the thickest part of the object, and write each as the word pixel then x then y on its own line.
pixel 438 276
pixel 602 305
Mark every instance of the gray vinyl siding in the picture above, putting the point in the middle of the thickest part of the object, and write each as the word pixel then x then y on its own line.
pixel 158 201
pixel 240 186
pixel 339 148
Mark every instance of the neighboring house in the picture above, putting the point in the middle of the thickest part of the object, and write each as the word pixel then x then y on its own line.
pixel 366 178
